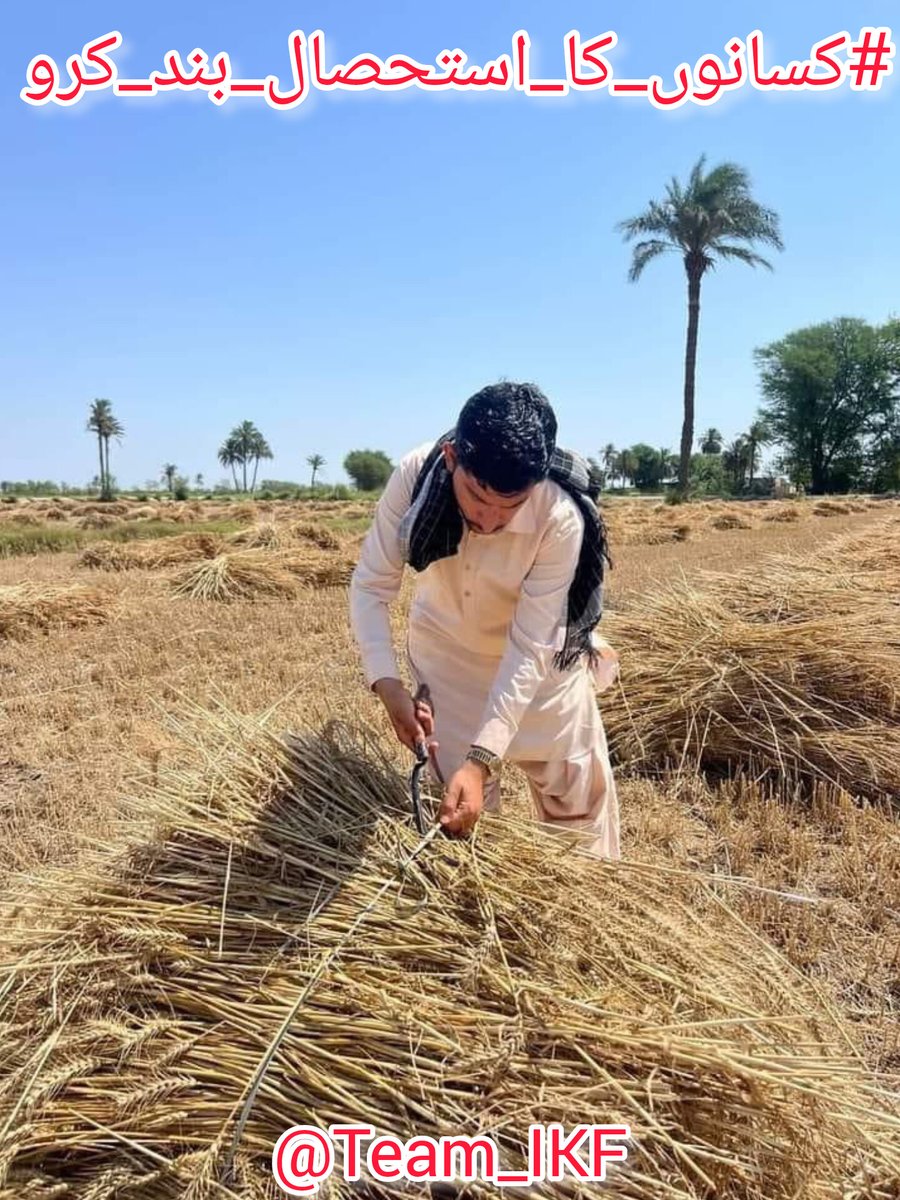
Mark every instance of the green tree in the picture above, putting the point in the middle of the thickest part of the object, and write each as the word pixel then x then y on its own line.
pixel 830 393
pixel 244 446
pixel 103 422
pixel 317 462
pixel 736 461
pixel 259 450
pixel 757 435
pixel 168 473
pixel 229 456
pixel 705 221
pixel 711 441
pixel 626 465
pixel 369 469
pixel 608 456
pixel 651 466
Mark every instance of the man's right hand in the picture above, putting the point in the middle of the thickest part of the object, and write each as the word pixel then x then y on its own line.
pixel 413 723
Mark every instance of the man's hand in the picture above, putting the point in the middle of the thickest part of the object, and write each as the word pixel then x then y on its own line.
pixel 464 799
pixel 413 723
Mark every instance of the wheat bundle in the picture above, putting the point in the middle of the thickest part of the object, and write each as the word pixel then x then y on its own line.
pixel 286 950
pixel 793 667
pixel 318 535
pixel 25 607
pixel 241 575
pixel 52 513
pixel 318 569
pixel 830 508
pixel 24 517
pixel 97 520
pixel 782 515
pixel 114 508
pixel 109 556
pixel 152 554
pixel 264 536
pixel 729 520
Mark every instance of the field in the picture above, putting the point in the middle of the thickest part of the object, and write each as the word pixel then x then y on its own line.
pixel 757 737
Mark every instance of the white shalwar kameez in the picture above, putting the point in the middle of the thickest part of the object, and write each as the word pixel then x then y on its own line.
pixel 484 626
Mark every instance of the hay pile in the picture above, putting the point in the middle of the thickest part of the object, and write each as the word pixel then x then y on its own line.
pixel 791 667
pixel 831 508
pixel 784 515
pixel 285 950
pixel 29 607
pixel 317 535
pixel 151 554
pixel 262 574
pixel 241 575
pixel 729 520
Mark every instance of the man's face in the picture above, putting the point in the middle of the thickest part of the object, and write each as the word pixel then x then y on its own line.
pixel 483 509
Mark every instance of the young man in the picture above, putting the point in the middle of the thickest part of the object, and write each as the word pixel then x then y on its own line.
pixel 503 531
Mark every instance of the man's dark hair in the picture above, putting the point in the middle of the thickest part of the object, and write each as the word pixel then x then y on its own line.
pixel 505 436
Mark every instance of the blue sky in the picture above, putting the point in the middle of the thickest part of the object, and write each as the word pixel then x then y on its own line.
pixel 348 273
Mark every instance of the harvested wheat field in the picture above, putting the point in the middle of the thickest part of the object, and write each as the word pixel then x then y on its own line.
pixel 284 950
pixel 791 667
pixel 218 923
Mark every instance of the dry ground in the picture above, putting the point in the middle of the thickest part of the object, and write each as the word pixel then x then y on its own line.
pixel 85 722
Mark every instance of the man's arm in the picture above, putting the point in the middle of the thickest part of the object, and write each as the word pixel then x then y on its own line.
pixel 374 586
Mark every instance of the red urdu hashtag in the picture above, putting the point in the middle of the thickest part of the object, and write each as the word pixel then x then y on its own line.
pixel 863 51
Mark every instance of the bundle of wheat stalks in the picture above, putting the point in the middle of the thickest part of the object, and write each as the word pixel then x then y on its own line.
pixel 250 574
pixel 791 667
pixel 151 554
pixel 287 950
pixel 26 607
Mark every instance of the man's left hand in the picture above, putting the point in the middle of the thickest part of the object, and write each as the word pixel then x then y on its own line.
pixel 463 800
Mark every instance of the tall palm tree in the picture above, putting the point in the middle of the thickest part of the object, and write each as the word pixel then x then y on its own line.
pixel 711 441
pixel 229 456
pixel 735 460
pixel 757 435
pixel 609 455
pixel 705 221
pixel 259 449
pixel 106 425
pixel 627 465
pixel 168 473
pixel 317 462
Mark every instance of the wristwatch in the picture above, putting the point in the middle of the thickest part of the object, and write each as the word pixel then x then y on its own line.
pixel 490 761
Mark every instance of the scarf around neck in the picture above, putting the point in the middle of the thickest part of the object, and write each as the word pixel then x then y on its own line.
pixel 432 529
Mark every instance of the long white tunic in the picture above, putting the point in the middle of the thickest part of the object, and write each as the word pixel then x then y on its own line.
pixel 484 626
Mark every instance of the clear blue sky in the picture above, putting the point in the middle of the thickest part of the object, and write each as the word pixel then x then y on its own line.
pixel 346 274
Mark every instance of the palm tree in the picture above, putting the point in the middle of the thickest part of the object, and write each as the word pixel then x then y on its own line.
pixel 609 456
pixel 229 456
pixel 757 435
pixel 627 465
pixel 106 425
pixel 711 441
pixel 259 449
pixel 735 460
pixel 168 473
pixel 704 221
pixel 317 462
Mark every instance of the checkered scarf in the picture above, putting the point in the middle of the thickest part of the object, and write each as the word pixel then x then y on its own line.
pixel 432 529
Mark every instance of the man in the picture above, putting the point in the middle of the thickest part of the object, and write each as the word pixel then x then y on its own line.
pixel 503 531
